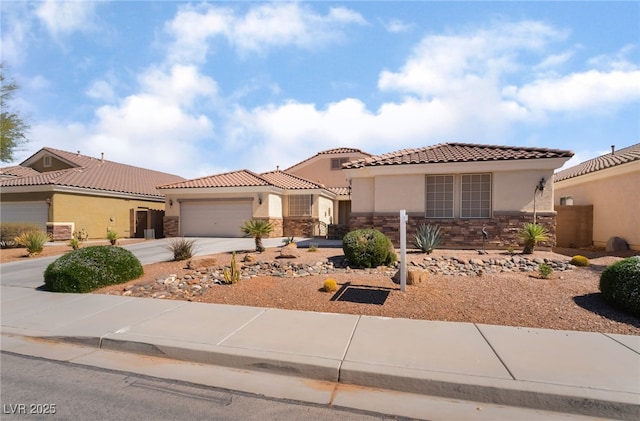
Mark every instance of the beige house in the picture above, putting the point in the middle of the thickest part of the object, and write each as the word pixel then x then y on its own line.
pixel 309 199
pixel 65 192
pixel 459 187
pixel 598 199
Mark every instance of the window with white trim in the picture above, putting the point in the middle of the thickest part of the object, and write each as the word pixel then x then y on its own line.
pixel 300 205
pixel 439 196
pixel 475 201
pixel 46 161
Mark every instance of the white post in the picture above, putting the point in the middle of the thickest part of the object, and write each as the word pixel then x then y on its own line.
pixel 403 250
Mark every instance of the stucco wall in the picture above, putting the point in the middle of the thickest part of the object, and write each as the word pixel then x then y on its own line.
pixel 325 210
pixel 362 194
pixel 318 169
pixel 615 199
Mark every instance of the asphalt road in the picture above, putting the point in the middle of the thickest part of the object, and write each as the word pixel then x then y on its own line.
pixel 37 389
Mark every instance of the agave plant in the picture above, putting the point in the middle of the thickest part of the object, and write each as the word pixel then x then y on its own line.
pixel 257 228
pixel 532 234
pixel 427 238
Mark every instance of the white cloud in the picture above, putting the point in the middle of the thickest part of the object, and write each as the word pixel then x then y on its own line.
pixel 616 61
pixel 101 90
pixel 65 17
pixel 591 90
pixel 263 27
pixel 396 26
pixel 17 25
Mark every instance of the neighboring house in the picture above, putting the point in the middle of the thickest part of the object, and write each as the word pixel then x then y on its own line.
pixel 65 192
pixel 459 187
pixel 598 199
pixel 218 205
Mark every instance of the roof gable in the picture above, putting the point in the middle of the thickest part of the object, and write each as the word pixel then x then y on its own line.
pixel 334 151
pixel 602 162
pixel 457 152
pixel 240 178
pixel 288 181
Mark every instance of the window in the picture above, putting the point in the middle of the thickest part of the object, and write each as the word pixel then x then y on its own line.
pixel 476 196
pixel 300 205
pixel 566 201
pixel 46 161
pixel 439 195
pixel 336 163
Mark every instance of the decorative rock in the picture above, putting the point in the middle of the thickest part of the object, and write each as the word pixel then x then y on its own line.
pixel 290 251
pixel 249 258
pixel 617 244
pixel 201 261
pixel 414 276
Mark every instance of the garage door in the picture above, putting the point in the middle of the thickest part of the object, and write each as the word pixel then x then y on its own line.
pixel 214 218
pixel 26 212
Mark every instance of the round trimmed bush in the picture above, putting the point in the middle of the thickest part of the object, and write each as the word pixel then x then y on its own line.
pixel 368 248
pixel 89 268
pixel 579 260
pixel 620 284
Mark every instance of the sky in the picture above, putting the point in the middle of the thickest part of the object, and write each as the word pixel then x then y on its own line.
pixel 201 88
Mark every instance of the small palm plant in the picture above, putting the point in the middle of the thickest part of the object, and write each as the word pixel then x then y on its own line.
pixel 257 228
pixel 532 234
pixel 427 238
pixel 33 241
pixel 112 236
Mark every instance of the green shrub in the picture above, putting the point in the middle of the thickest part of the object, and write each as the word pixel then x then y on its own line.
pixel 545 270
pixel 330 285
pixel 579 261
pixel 33 240
pixel 427 238
pixel 112 236
pixel 10 230
pixel 90 268
pixel 620 284
pixel 181 248
pixel 368 248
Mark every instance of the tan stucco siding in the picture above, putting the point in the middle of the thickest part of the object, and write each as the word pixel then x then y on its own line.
pixel 362 195
pixel 616 203
pixel 513 191
pixel 97 214
pixel 274 207
pixel 318 169
pixel 400 192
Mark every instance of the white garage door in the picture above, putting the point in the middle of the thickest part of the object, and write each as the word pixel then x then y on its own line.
pixel 26 212
pixel 214 218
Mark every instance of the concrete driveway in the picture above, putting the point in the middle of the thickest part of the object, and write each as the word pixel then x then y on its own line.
pixel 29 273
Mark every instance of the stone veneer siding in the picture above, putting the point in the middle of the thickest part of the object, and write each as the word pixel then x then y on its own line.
pixel 296 226
pixel 171 226
pixel 462 233
pixel 60 232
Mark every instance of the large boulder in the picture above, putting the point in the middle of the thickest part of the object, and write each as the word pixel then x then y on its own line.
pixel 201 262
pixel 617 244
pixel 414 276
pixel 290 251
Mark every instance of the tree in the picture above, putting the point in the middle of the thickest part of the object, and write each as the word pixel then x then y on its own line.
pixel 12 127
pixel 257 229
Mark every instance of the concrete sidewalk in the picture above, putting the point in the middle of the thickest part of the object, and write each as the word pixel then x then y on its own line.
pixel 574 372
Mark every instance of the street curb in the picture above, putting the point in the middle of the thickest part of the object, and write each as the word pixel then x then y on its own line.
pixel 549 397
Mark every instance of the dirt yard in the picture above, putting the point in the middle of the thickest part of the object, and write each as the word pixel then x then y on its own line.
pixel 568 300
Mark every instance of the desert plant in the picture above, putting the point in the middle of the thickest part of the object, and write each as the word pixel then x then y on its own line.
pixel 313 247
pixel 112 236
pixel 368 248
pixel 532 234
pixel 579 261
pixel 181 248
pixel 545 270
pixel 74 243
pixel 90 268
pixel 81 235
pixel 427 238
pixel 510 250
pixel 288 240
pixel 232 274
pixel 620 284
pixel 257 228
pixel 10 230
pixel 330 285
pixel 33 241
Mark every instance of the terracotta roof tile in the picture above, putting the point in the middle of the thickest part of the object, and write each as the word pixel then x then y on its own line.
pixel 96 174
pixel 333 151
pixel 457 152
pixel 288 181
pixel 340 191
pixel 622 156
pixel 240 178
pixel 17 171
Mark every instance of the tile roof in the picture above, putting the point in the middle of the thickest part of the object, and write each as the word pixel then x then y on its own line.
pixel 340 191
pixel 17 171
pixel 96 174
pixel 457 152
pixel 240 178
pixel 333 151
pixel 622 156
pixel 289 181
